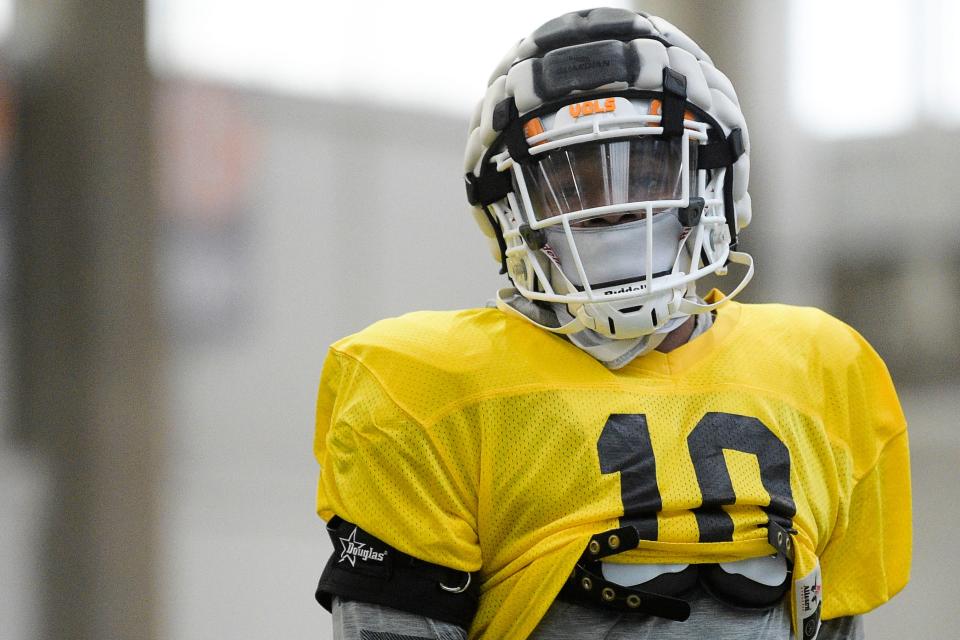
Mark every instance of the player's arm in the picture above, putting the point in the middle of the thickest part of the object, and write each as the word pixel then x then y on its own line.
pixel 365 574
pixel 399 495
pixel 867 557
pixel 364 621
pixel 846 628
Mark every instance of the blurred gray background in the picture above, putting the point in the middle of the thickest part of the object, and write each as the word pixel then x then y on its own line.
pixel 197 197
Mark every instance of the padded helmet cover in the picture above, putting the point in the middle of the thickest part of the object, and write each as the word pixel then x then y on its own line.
pixel 598 51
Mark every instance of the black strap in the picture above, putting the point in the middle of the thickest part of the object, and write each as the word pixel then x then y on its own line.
pixel 674 102
pixel 487 188
pixel 660 597
pixel 482 192
pixel 722 153
pixel 781 539
pixel 505 114
pixel 610 543
pixel 729 213
pixel 366 569
pixel 587 585
pixel 516 140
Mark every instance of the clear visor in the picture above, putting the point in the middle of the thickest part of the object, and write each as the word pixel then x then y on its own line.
pixel 608 172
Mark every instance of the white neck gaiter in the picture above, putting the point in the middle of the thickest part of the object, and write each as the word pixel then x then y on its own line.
pixel 616 354
pixel 613 354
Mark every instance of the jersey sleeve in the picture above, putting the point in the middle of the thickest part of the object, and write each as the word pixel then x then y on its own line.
pixel 411 484
pixel 867 559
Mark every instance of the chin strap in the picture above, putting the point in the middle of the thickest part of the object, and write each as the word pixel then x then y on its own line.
pixel 691 307
pixel 612 353
pixel 511 302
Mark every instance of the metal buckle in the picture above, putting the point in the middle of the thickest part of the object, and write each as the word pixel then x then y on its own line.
pixel 461 589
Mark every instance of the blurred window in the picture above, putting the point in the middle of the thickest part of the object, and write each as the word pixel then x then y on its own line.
pixel 873 67
pixel 433 55
pixel 917 334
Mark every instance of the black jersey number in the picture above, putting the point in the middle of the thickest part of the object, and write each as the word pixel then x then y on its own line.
pixel 624 446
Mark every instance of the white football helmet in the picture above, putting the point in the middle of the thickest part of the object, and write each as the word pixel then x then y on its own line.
pixel 608 166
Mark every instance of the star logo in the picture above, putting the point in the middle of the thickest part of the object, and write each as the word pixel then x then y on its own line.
pixel 351 548
pixel 353 551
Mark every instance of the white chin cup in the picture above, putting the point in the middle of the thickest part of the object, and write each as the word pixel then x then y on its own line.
pixel 615 253
pixel 627 319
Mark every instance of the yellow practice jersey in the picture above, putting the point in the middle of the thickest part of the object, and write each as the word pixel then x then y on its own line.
pixel 474 440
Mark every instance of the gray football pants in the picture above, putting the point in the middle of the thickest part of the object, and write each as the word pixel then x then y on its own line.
pixel 709 620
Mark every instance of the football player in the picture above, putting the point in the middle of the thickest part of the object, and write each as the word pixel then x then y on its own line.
pixel 605 453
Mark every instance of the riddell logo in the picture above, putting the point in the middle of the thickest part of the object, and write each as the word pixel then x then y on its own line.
pixel 623 290
pixel 353 550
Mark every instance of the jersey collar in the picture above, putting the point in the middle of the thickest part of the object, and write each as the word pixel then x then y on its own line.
pixel 703 346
